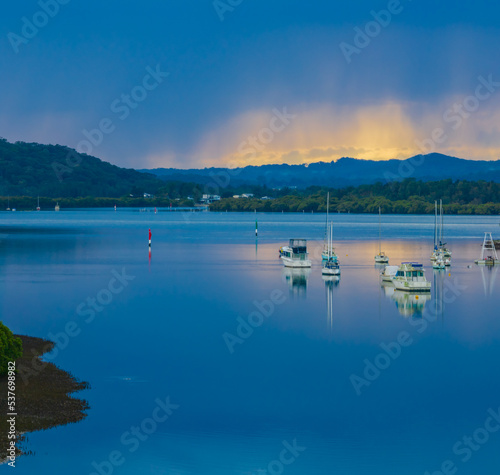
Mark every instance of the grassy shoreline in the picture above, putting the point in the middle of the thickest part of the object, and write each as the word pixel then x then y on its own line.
pixel 42 395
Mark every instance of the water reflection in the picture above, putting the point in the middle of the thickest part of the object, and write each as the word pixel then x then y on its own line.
pixel 331 281
pixel 489 275
pixel 388 288
pixel 297 280
pixel 409 303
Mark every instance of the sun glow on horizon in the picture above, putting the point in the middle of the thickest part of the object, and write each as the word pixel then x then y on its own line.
pixel 305 135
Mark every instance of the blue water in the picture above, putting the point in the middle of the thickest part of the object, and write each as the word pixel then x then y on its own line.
pixel 163 332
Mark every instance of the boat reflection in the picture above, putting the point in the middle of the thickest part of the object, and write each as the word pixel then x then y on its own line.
pixel 388 288
pixel 297 280
pixel 331 281
pixel 489 276
pixel 409 303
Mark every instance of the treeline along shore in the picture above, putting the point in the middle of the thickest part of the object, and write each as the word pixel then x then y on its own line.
pixel 408 196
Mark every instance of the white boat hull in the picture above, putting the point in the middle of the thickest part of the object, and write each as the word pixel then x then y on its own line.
pixel 487 262
pixel 326 271
pixel 412 286
pixel 296 263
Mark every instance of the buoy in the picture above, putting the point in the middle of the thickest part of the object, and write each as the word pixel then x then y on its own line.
pixel 150 237
pixel 155 209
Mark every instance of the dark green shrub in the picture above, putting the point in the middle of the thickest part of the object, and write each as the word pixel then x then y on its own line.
pixel 11 348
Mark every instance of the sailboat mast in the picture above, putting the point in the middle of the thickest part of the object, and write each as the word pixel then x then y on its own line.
pixel 435 222
pixel 331 239
pixel 441 230
pixel 325 244
pixel 379 231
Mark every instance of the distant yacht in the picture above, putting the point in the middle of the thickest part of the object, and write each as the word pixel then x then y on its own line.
pixel 324 254
pixel 440 249
pixel 295 255
pixel 38 204
pixel 57 208
pixel 331 265
pixel 411 277
pixel 381 257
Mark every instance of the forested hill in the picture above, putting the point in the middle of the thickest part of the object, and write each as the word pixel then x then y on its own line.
pixel 31 169
pixel 343 172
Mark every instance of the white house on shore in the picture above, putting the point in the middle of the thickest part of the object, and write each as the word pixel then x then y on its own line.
pixel 207 199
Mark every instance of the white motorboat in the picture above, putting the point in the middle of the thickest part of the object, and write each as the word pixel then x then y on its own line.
pixel 411 277
pixel 389 273
pixel 489 255
pixel 331 265
pixel 295 255
pixel 381 257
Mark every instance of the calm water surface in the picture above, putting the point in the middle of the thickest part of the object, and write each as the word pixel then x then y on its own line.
pixel 164 333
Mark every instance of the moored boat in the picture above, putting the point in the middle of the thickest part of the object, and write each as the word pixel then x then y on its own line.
pixel 389 273
pixel 331 265
pixel 381 257
pixel 295 255
pixel 411 277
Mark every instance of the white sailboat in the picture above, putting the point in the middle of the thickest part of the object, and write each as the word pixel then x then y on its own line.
pixel 331 265
pixel 434 253
pixel 324 254
pixel 489 255
pixel 381 257
pixel 446 253
pixel 38 204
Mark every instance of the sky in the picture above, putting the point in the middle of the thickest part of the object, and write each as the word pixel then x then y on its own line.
pixel 202 83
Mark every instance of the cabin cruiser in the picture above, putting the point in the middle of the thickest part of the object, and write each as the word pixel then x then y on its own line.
pixel 411 277
pixel 295 255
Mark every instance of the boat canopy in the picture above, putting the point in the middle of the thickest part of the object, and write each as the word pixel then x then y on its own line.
pixel 299 246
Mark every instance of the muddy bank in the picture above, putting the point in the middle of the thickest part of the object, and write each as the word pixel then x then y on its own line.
pixel 42 396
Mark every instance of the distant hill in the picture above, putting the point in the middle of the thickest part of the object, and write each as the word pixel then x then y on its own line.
pixel 344 172
pixel 31 169
pixel 55 171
